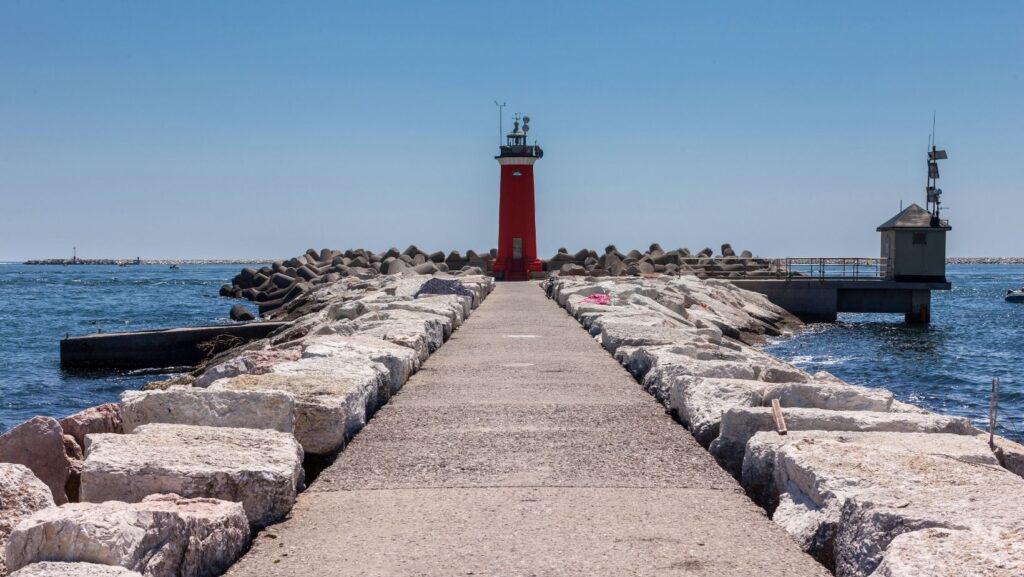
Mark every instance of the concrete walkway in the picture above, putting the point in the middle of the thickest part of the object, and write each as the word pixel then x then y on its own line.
pixel 523 448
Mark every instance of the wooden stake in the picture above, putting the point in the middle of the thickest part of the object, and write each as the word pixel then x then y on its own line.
pixel 780 422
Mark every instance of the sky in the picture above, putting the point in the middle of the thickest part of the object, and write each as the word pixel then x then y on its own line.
pixel 257 129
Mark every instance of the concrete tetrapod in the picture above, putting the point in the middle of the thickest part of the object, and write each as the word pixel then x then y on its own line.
pixel 260 468
pixel 162 536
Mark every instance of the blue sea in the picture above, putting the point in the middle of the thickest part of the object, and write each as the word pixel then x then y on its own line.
pixel 946 367
pixel 41 304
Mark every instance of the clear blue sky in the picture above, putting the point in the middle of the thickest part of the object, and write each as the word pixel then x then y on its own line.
pixel 251 129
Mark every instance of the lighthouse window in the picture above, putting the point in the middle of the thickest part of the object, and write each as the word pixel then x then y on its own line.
pixel 516 173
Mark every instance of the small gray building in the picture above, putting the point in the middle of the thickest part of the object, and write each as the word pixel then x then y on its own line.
pixel 914 246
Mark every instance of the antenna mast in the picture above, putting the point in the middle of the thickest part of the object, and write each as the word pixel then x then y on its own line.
pixel 500 123
pixel 934 194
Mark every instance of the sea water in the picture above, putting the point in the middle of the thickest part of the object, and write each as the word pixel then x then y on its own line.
pixel 39 305
pixel 946 367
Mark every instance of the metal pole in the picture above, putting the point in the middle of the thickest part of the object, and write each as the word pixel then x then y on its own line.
pixel 501 124
pixel 993 410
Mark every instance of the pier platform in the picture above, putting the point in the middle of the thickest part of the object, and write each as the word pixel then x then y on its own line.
pixel 156 349
pixel 820 300
pixel 523 448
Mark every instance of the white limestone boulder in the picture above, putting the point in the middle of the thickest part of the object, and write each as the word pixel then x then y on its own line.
pixel 951 553
pixel 21 495
pixel 250 362
pixel 398 361
pixel 845 496
pixel 739 424
pixel 209 408
pixel 329 409
pixel 59 569
pixel 700 402
pixel 422 332
pixel 829 395
pixel 260 468
pixel 162 536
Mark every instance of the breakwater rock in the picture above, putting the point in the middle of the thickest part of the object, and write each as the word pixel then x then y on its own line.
pixel 173 480
pixel 704 263
pixel 284 289
pixel 866 484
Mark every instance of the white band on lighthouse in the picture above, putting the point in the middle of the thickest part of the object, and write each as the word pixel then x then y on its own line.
pixel 503 160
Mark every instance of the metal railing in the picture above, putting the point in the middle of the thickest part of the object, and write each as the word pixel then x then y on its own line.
pixel 792 268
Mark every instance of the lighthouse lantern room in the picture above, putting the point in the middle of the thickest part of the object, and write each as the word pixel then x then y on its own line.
pixel 517 228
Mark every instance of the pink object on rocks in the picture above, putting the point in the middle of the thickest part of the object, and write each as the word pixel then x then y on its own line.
pixel 597 299
pixel 39 445
pixel 104 418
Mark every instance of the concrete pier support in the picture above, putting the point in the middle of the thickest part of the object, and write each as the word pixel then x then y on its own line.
pixel 920 308
pixel 820 300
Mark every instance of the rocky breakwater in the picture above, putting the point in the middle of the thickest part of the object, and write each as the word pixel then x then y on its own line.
pixel 868 485
pixel 284 290
pixel 704 263
pixel 174 479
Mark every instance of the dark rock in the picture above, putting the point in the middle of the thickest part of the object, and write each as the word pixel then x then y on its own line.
pixel 437 286
pixel 706 253
pixel 227 290
pixel 241 314
pixel 436 257
pixel 727 250
pixel 634 254
pixel 746 254
pixel 581 255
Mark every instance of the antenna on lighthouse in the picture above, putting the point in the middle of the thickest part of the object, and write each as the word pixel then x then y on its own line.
pixel 500 123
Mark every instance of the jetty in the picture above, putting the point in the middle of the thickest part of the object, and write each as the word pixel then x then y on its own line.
pixel 178 347
pixel 523 448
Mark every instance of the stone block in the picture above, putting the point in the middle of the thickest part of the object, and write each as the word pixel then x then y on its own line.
pixel 38 444
pixel 21 495
pixel 162 536
pixel 258 467
pixel 195 406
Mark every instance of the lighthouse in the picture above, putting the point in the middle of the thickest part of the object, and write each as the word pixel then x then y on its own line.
pixel 517 228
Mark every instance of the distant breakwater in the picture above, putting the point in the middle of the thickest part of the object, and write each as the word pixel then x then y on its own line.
pixel 985 260
pixel 141 261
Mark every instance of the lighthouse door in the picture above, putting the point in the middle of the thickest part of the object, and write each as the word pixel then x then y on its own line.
pixel 516 269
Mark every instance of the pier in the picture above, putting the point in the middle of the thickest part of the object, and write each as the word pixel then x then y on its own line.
pixel 522 448
pixel 177 347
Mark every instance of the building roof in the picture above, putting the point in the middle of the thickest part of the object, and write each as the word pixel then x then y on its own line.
pixel 912 217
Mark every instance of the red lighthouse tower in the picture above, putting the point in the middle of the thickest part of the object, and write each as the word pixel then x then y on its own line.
pixel 517 228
